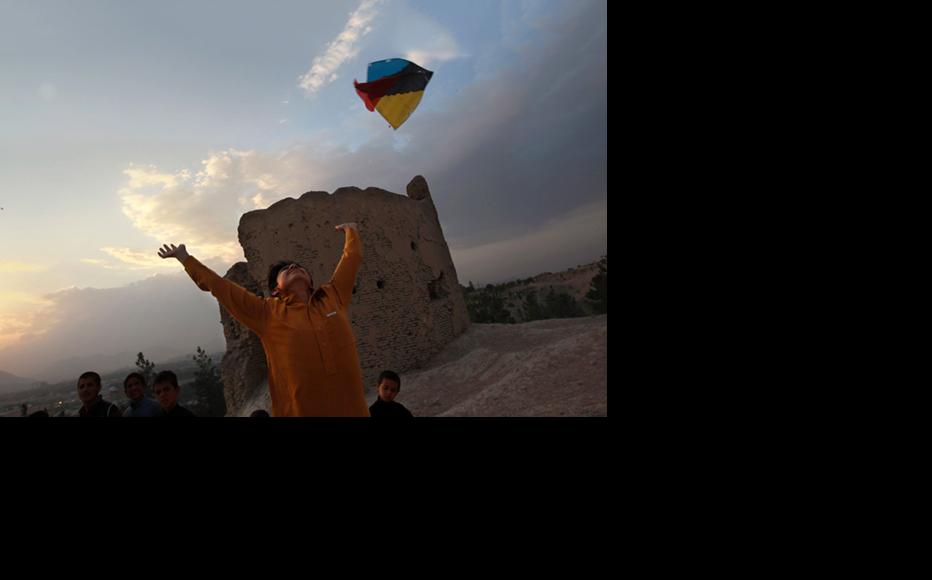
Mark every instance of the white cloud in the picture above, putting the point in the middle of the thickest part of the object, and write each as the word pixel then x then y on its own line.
pixel 202 209
pixel 102 329
pixel 137 260
pixel 426 57
pixel 13 327
pixel 18 315
pixel 343 48
pixel 424 41
pixel 8 267
pixel 95 262
pixel 259 202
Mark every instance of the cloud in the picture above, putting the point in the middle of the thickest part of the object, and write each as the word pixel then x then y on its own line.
pixel 13 327
pixel 135 260
pixel 341 49
pixel 202 209
pixel 9 267
pixel 95 262
pixel 164 316
pixel 18 315
pixel 423 40
pixel 23 297
pixel 427 57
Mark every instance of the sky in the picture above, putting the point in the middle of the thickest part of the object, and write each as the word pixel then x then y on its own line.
pixel 128 124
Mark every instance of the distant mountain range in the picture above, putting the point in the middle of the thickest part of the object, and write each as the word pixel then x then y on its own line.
pixel 10 383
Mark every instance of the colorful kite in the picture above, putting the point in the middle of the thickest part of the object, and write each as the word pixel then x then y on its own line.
pixel 394 88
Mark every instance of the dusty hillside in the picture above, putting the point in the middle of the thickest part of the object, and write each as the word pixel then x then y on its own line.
pixel 545 296
pixel 543 368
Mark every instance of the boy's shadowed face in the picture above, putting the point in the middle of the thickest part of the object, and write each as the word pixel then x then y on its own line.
pixel 134 389
pixel 88 389
pixel 167 395
pixel 294 277
pixel 388 390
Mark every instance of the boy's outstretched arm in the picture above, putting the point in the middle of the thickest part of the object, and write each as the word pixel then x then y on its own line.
pixel 242 304
pixel 344 277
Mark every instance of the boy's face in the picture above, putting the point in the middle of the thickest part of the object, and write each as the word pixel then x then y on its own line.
pixel 294 277
pixel 167 394
pixel 134 389
pixel 388 390
pixel 88 390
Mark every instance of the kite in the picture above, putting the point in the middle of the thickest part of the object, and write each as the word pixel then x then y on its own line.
pixel 394 88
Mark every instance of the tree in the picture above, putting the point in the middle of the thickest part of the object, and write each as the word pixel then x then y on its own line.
pixel 532 308
pixel 488 306
pixel 598 288
pixel 561 305
pixel 207 386
pixel 146 369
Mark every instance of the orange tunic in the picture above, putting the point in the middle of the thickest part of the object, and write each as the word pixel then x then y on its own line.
pixel 314 368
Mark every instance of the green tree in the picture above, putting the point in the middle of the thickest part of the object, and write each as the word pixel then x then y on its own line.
pixel 207 386
pixel 146 369
pixel 532 307
pixel 561 305
pixel 488 306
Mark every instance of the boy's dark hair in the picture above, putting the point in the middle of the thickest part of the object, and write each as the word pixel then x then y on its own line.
pixel 260 413
pixel 275 269
pixel 390 375
pixel 139 376
pixel 40 413
pixel 166 377
pixel 90 375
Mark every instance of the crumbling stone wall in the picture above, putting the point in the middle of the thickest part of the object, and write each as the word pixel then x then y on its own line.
pixel 406 305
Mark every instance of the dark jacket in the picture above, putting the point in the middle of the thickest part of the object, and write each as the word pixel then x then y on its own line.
pixel 178 411
pixel 100 408
pixel 382 409
pixel 144 407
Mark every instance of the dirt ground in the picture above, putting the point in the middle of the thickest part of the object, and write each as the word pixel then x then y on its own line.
pixel 549 368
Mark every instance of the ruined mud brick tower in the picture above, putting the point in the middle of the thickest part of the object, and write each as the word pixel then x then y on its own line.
pixel 406 304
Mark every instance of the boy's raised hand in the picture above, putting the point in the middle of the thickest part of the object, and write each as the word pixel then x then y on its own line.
pixel 173 251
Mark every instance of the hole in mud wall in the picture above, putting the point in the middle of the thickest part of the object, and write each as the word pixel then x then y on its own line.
pixel 380 284
pixel 437 288
pixel 414 246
